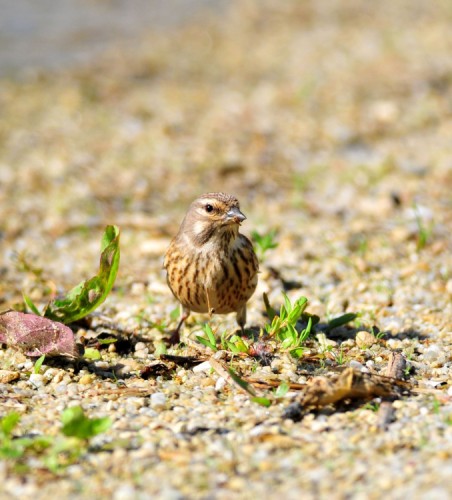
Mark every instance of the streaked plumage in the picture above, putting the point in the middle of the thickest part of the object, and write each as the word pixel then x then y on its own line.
pixel 211 267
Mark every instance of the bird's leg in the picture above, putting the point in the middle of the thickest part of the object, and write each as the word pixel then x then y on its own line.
pixel 241 318
pixel 175 334
pixel 210 310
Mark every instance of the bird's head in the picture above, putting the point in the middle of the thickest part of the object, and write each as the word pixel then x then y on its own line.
pixel 213 215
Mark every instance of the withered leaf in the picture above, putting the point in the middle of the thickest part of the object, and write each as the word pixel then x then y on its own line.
pixel 36 335
pixel 349 384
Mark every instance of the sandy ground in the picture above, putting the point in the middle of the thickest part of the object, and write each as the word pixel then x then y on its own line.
pixel 332 125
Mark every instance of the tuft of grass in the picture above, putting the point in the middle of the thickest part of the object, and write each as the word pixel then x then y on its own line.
pixel 423 232
pixel 264 242
pixel 283 326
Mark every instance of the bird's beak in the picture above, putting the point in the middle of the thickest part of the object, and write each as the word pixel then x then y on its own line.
pixel 235 215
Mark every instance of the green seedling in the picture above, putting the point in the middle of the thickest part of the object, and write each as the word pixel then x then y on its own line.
pixel 77 424
pixel 372 406
pixel 423 232
pixel 56 452
pixel 283 326
pixel 282 389
pixel 90 294
pixel 210 340
pixel 264 242
pixel 235 344
pixel 38 364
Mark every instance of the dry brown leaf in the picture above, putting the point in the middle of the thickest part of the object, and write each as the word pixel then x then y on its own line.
pixel 349 384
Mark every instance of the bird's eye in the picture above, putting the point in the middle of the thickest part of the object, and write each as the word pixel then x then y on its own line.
pixel 209 208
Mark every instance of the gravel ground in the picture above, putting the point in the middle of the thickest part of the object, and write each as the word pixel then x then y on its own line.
pixel 332 124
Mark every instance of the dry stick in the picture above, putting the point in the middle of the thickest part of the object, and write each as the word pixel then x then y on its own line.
pixel 395 369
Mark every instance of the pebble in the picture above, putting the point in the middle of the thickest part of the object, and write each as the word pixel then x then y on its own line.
pixel 365 339
pixel 356 365
pixel 202 367
pixel 37 380
pixel 158 401
pixel 220 384
pixel 7 376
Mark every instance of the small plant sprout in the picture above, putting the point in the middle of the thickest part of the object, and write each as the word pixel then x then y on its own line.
pixel 235 344
pixel 38 364
pixel 210 340
pixel 282 389
pixel 282 326
pixel 264 242
pixel 340 357
pixel 423 232
pixel 54 452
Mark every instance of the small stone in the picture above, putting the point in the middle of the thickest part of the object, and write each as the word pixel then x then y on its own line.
pixel 7 376
pixel 356 365
pixel 432 353
pixel 86 379
pixel 220 384
pixel 293 412
pixel 37 380
pixel 158 401
pixel 203 367
pixel 220 355
pixel 365 339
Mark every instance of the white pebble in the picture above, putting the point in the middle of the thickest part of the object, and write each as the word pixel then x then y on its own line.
pixel 158 400
pixel 356 365
pixel 37 380
pixel 203 367
pixel 220 385
pixel 125 492
pixel 432 353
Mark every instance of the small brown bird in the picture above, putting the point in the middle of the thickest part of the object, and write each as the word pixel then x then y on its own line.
pixel 210 266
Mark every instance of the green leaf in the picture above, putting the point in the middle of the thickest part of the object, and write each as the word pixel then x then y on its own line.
pixel 307 331
pixel 8 423
pixel 297 352
pixel 210 335
pixel 110 340
pixel 76 424
pixel 91 353
pixel 38 364
pixel 287 303
pixel 88 295
pixel 282 389
pixel 261 401
pixel 239 343
pixel 341 320
pixel 288 342
pixel 206 342
pixel 29 303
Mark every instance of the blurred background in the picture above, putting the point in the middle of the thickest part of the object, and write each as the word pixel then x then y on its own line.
pixel 330 121
pixel 49 34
